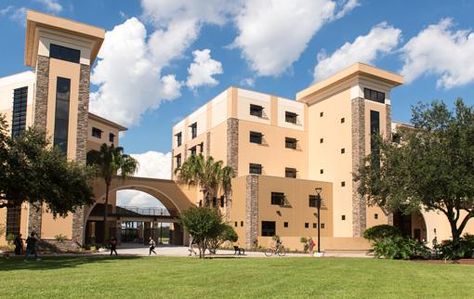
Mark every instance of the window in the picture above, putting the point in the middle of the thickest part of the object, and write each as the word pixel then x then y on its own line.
pixel 374 132
pixel 312 201
pixel 321 140
pixel 321 171
pixel 255 168
pixel 278 198
pixel 343 120
pixel 214 202
pixel 285 224
pixel 374 95
pixel 291 142
pixel 306 225
pixel 222 200
pixel 193 151
pixel 20 100
pixel 256 137
pixel 64 53
pixel 179 139
pixel 201 147
pixel 268 228
pixel 343 217
pixel 291 117
pixel 290 172
pixel 178 161
pixel 111 137
pixel 321 114
pixel 322 225
pixel 315 225
pixel 61 122
pixel 376 216
pixel 343 150
pixel 343 184
pixel 235 224
pixel 241 223
pixel 97 133
pixel 256 110
pixel 13 221
pixel 193 130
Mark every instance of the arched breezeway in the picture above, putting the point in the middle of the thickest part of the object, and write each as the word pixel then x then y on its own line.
pixel 166 191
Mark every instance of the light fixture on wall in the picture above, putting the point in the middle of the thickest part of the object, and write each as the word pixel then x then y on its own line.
pixel 278 213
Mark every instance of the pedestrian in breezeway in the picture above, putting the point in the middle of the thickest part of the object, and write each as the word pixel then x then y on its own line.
pixel 113 246
pixel 18 245
pixel 152 244
pixel 31 246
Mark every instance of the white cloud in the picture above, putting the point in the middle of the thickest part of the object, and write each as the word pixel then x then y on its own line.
pixel 273 34
pixel 440 51
pixel 151 165
pixel 381 39
pixel 52 6
pixel 129 82
pixel 202 70
pixel 247 82
pixel 15 14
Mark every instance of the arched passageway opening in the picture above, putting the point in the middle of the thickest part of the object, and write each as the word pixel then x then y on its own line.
pixel 412 225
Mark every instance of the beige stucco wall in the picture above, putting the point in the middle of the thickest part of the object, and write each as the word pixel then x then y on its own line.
pixel 237 211
pixel 94 143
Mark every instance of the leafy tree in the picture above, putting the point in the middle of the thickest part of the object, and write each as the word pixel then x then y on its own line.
pixel 431 168
pixel 33 171
pixel 204 224
pixel 382 231
pixel 109 162
pixel 208 174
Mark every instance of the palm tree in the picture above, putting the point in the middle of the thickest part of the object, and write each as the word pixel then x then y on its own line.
pixel 206 173
pixel 109 162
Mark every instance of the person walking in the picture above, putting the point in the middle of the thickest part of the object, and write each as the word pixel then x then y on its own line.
pixel 191 246
pixel 152 244
pixel 311 245
pixel 31 246
pixel 113 246
pixel 18 245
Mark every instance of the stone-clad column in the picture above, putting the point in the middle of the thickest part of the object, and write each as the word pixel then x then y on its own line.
pixel 233 143
pixel 78 221
pixel 359 213
pixel 388 130
pixel 251 210
pixel 39 121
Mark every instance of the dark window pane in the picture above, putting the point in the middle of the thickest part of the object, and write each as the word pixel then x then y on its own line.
pixel 374 95
pixel 291 117
pixel 178 161
pixel 374 133
pixel 290 172
pixel 290 142
pixel 256 110
pixel 312 201
pixel 193 130
pixel 64 53
pixel 278 198
pixel 268 228
pixel 256 137
pixel 111 137
pixel 97 133
pixel 255 168
pixel 20 99
pixel 61 122
pixel 179 139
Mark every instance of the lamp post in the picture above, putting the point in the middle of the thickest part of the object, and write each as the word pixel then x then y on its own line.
pixel 318 206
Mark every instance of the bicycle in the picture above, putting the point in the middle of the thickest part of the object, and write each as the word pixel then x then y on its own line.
pixel 279 250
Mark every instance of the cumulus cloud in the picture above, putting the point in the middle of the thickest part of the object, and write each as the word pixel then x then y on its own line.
pixel 381 39
pixel 202 70
pixel 248 82
pixel 52 6
pixel 152 164
pixel 16 14
pixel 273 34
pixel 441 51
pixel 129 82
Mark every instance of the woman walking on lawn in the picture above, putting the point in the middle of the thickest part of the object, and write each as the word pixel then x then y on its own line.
pixel 113 246
pixel 152 246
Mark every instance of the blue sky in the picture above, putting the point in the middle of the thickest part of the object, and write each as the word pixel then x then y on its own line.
pixel 278 47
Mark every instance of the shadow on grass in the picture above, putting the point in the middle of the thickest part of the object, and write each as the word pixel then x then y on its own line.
pixel 51 263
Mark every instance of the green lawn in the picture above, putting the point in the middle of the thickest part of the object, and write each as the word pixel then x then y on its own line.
pixel 162 277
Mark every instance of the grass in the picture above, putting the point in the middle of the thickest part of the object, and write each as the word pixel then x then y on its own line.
pixel 166 277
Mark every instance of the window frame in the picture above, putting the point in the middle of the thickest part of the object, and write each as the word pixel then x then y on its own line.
pixel 277 198
pixel 64 53
pixel 268 228
pixel 255 166
pixel 256 110
pixel 289 141
pixel 291 172
pixel 255 137
pixel 291 117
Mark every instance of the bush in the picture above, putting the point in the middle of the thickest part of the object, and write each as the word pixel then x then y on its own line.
pixel 304 240
pixel 450 250
pixel 398 247
pixel 378 232
pixel 60 238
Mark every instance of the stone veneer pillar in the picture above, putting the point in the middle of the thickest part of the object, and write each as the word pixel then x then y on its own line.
pixel 40 114
pixel 78 219
pixel 251 210
pixel 359 211
pixel 232 155
pixel 388 132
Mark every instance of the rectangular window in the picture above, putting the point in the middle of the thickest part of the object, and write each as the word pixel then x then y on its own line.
pixel 291 142
pixel 374 133
pixel 343 150
pixel 256 110
pixel 285 224
pixel 343 184
pixel 290 173
pixel 20 100
pixel 268 228
pixel 312 201
pixel 343 120
pixel 278 198
pixel 222 200
pixel 61 122
pixel 374 95
pixel 322 225
pixel 13 221
pixel 201 147
pixel 255 168
pixel 111 137
pixel 321 140
pixel 193 151
pixel 291 117
pixel 321 171
pixel 97 133
pixel 343 217
pixel 64 53
pixel 241 223
pixel 256 137
pixel 193 130
pixel 321 114
pixel 376 216
pixel 179 139
pixel 178 161
pixel 315 225
pixel 235 224
pixel 306 225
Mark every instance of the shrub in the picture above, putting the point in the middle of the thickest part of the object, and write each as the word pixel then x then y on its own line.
pixel 378 232
pixel 464 248
pixel 60 238
pixel 398 247
pixel 304 240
